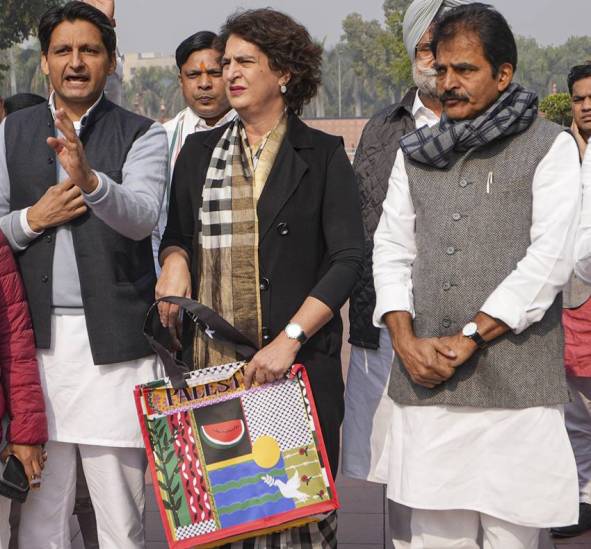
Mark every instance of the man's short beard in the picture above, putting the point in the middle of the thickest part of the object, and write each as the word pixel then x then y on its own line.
pixel 425 80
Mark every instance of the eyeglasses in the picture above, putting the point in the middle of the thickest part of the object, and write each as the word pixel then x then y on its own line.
pixel 423 51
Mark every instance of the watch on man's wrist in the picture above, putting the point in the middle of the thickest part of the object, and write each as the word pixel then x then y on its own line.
pixel 470 330
pixel 295 331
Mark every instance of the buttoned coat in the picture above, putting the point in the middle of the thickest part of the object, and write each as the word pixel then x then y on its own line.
pixel 310 244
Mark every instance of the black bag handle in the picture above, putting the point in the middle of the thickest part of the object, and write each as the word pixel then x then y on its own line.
pixel 207 320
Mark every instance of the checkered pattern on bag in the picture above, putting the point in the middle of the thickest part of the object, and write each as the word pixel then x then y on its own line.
pixel 512 113
pixel 287 422
pixel 199 529
pixel 213 374
pixel 305 397
pixel 316 535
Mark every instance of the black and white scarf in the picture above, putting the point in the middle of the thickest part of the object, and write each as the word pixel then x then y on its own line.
pixel 513 112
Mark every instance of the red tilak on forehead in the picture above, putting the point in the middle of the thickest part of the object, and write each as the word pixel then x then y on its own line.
pixel 202 67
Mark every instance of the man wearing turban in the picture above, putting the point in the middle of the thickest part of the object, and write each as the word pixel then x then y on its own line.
pixel 368 408
pixel 473 248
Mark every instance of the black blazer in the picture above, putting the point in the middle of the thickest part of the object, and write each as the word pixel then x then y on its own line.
pixel 310 243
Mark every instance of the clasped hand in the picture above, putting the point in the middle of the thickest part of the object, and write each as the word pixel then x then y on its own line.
pixel 431 361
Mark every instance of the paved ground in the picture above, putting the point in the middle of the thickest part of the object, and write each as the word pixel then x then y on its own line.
pixel 362 521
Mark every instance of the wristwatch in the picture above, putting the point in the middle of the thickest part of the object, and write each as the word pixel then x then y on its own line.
pixel 295 331
pixel 471 330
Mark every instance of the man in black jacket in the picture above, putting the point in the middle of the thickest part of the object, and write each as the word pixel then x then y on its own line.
pixel 81 183
pixel 367 412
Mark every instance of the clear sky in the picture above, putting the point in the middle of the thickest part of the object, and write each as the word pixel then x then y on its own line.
pixel 159 25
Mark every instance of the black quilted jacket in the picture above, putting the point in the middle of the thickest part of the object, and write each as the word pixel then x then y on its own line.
pixel 373 164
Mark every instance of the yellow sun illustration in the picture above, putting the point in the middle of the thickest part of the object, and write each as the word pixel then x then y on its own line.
pixel 266 452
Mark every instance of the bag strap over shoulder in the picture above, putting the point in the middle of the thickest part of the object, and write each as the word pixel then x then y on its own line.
pixel 207 320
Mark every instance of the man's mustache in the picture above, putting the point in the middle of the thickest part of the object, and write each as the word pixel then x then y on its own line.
pixel 451 96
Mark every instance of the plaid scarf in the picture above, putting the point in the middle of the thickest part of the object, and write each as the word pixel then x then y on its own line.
pixel 512 113
pixel 228 270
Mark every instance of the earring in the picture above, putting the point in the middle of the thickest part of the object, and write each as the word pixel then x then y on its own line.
pixel 283 88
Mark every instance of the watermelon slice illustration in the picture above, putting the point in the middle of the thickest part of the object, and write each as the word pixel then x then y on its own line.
pixel 225 434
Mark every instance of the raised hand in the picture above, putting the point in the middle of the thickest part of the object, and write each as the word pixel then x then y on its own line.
pixel 71 155
pixel 106 6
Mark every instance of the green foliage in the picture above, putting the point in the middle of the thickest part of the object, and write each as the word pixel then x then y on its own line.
pixel 28 75
pixel 557 108
pixel 154 92
pixel 379 58
pixel 369 65
pixel 19 19
pixel 541 68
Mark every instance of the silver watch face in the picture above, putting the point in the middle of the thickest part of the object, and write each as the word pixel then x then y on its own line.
pixel 470 329
pixel 293 331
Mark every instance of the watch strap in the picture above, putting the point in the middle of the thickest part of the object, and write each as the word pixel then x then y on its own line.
pixel 477 338
pixel 301 337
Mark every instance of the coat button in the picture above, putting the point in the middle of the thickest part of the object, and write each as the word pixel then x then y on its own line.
pixel 446 322
pixel 456 217
pixel 264 284
pixel 283 229
pixel 266 335
pixel 45 279
pixel 463 183
pixel 446 286
pixel 48 238
pixel 50 160
pixel 450 251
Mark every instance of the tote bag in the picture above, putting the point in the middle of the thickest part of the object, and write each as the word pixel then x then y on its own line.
pixel 229 463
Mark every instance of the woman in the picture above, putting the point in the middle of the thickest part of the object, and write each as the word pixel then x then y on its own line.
pixel 21 399
pixel 264 224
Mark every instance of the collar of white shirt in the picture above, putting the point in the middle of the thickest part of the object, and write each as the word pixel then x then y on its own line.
pixel 422 115
pixel 78 123
pixel 196 123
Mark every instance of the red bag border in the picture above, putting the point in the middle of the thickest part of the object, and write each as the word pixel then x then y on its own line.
pixel 258 524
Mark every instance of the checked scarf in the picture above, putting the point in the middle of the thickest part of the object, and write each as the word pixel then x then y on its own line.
pixel 228 248
pixel 512 113
pixel 228 267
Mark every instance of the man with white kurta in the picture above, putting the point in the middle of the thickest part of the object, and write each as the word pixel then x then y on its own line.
pixel 576 321
pixel 200 79
pixel 367 404
pixel 81 183
pixel 473 247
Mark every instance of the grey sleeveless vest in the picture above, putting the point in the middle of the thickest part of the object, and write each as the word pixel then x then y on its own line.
pixel 117 275
pixel 575 293
pixel 468 241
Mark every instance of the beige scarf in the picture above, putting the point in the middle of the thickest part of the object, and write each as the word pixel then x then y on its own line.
pixel 228 276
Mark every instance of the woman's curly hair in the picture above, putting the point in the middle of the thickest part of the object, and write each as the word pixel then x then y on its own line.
pixel 288 46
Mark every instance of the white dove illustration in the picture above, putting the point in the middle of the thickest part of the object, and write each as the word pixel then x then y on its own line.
pixel 289 490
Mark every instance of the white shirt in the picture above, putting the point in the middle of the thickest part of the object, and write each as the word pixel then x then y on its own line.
pixel 516 465
pixel 178 129
pixel 526 294
pixel 583 242
pixel 186 123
